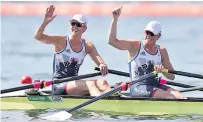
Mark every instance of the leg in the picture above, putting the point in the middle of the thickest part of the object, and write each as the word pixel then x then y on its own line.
pixel 159 93
pixel 83 87
pixel 59 89
pixel 172 91
pixel 77 87
pixel 103 85
pixel 141 90
pixel 177 94
pixel 93 88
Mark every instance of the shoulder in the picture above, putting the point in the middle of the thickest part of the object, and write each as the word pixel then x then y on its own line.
pixel 135 43
pixel 59 37
pixel 89 43
pixel 89 46
pixel 61 40
pixel 162 49
pixel 163 52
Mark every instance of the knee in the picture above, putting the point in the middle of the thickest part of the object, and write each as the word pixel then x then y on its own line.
pixel 102 83
pixel 178 95
pixel 170 90
pixel 91 83
pixel 170 96
pixel 163 94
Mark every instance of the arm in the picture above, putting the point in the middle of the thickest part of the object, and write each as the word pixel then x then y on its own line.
pixel 91 50
pixel 119 44
pixel 39 34
pixel 166 63
pixel 48 39
pixel 114 41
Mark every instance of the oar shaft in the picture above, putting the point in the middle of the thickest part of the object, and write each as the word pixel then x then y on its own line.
pixel 184 73
pixel 37 85
pixel 191 89
pixel 94 99
pixel 76 78
pixel 179 84
pixel 128 75
pixel 16 89
pixel 110 92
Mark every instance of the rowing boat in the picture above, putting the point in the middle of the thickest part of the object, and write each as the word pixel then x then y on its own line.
pixel 117 104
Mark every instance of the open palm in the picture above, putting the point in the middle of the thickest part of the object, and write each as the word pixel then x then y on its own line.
pixel 49 15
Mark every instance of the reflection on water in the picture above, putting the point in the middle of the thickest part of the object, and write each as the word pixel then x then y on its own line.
pixel 81 115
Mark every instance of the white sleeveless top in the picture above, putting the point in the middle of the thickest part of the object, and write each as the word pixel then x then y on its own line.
pixel 67 62
pixel 143 62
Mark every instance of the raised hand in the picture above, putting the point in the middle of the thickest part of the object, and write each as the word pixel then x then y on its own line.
pixel 49 15
pixel 116 12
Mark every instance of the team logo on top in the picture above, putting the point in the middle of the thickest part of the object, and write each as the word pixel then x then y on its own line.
pixel 68 68
pixel 68 50
pixel 145 68
pixel 143 53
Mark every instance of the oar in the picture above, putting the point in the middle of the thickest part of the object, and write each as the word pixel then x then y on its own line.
pixel 191 89
pixel 128 75
pixel 48 83
pixel 183 73
pixel 63 115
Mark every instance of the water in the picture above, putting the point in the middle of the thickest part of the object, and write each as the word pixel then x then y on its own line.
pixel 23 55
pixel 81 116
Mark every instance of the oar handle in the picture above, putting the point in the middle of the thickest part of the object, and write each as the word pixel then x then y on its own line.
pixel 115 72
pixel 183 73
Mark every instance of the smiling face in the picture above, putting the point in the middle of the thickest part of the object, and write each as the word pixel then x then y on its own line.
pixel 151 37
pixel 152 32
pixel 77 28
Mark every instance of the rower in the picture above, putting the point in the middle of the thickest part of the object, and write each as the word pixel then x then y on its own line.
pixel 145 56
pixel 70 52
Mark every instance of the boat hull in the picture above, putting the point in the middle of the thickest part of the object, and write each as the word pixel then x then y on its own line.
pixel 139 106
